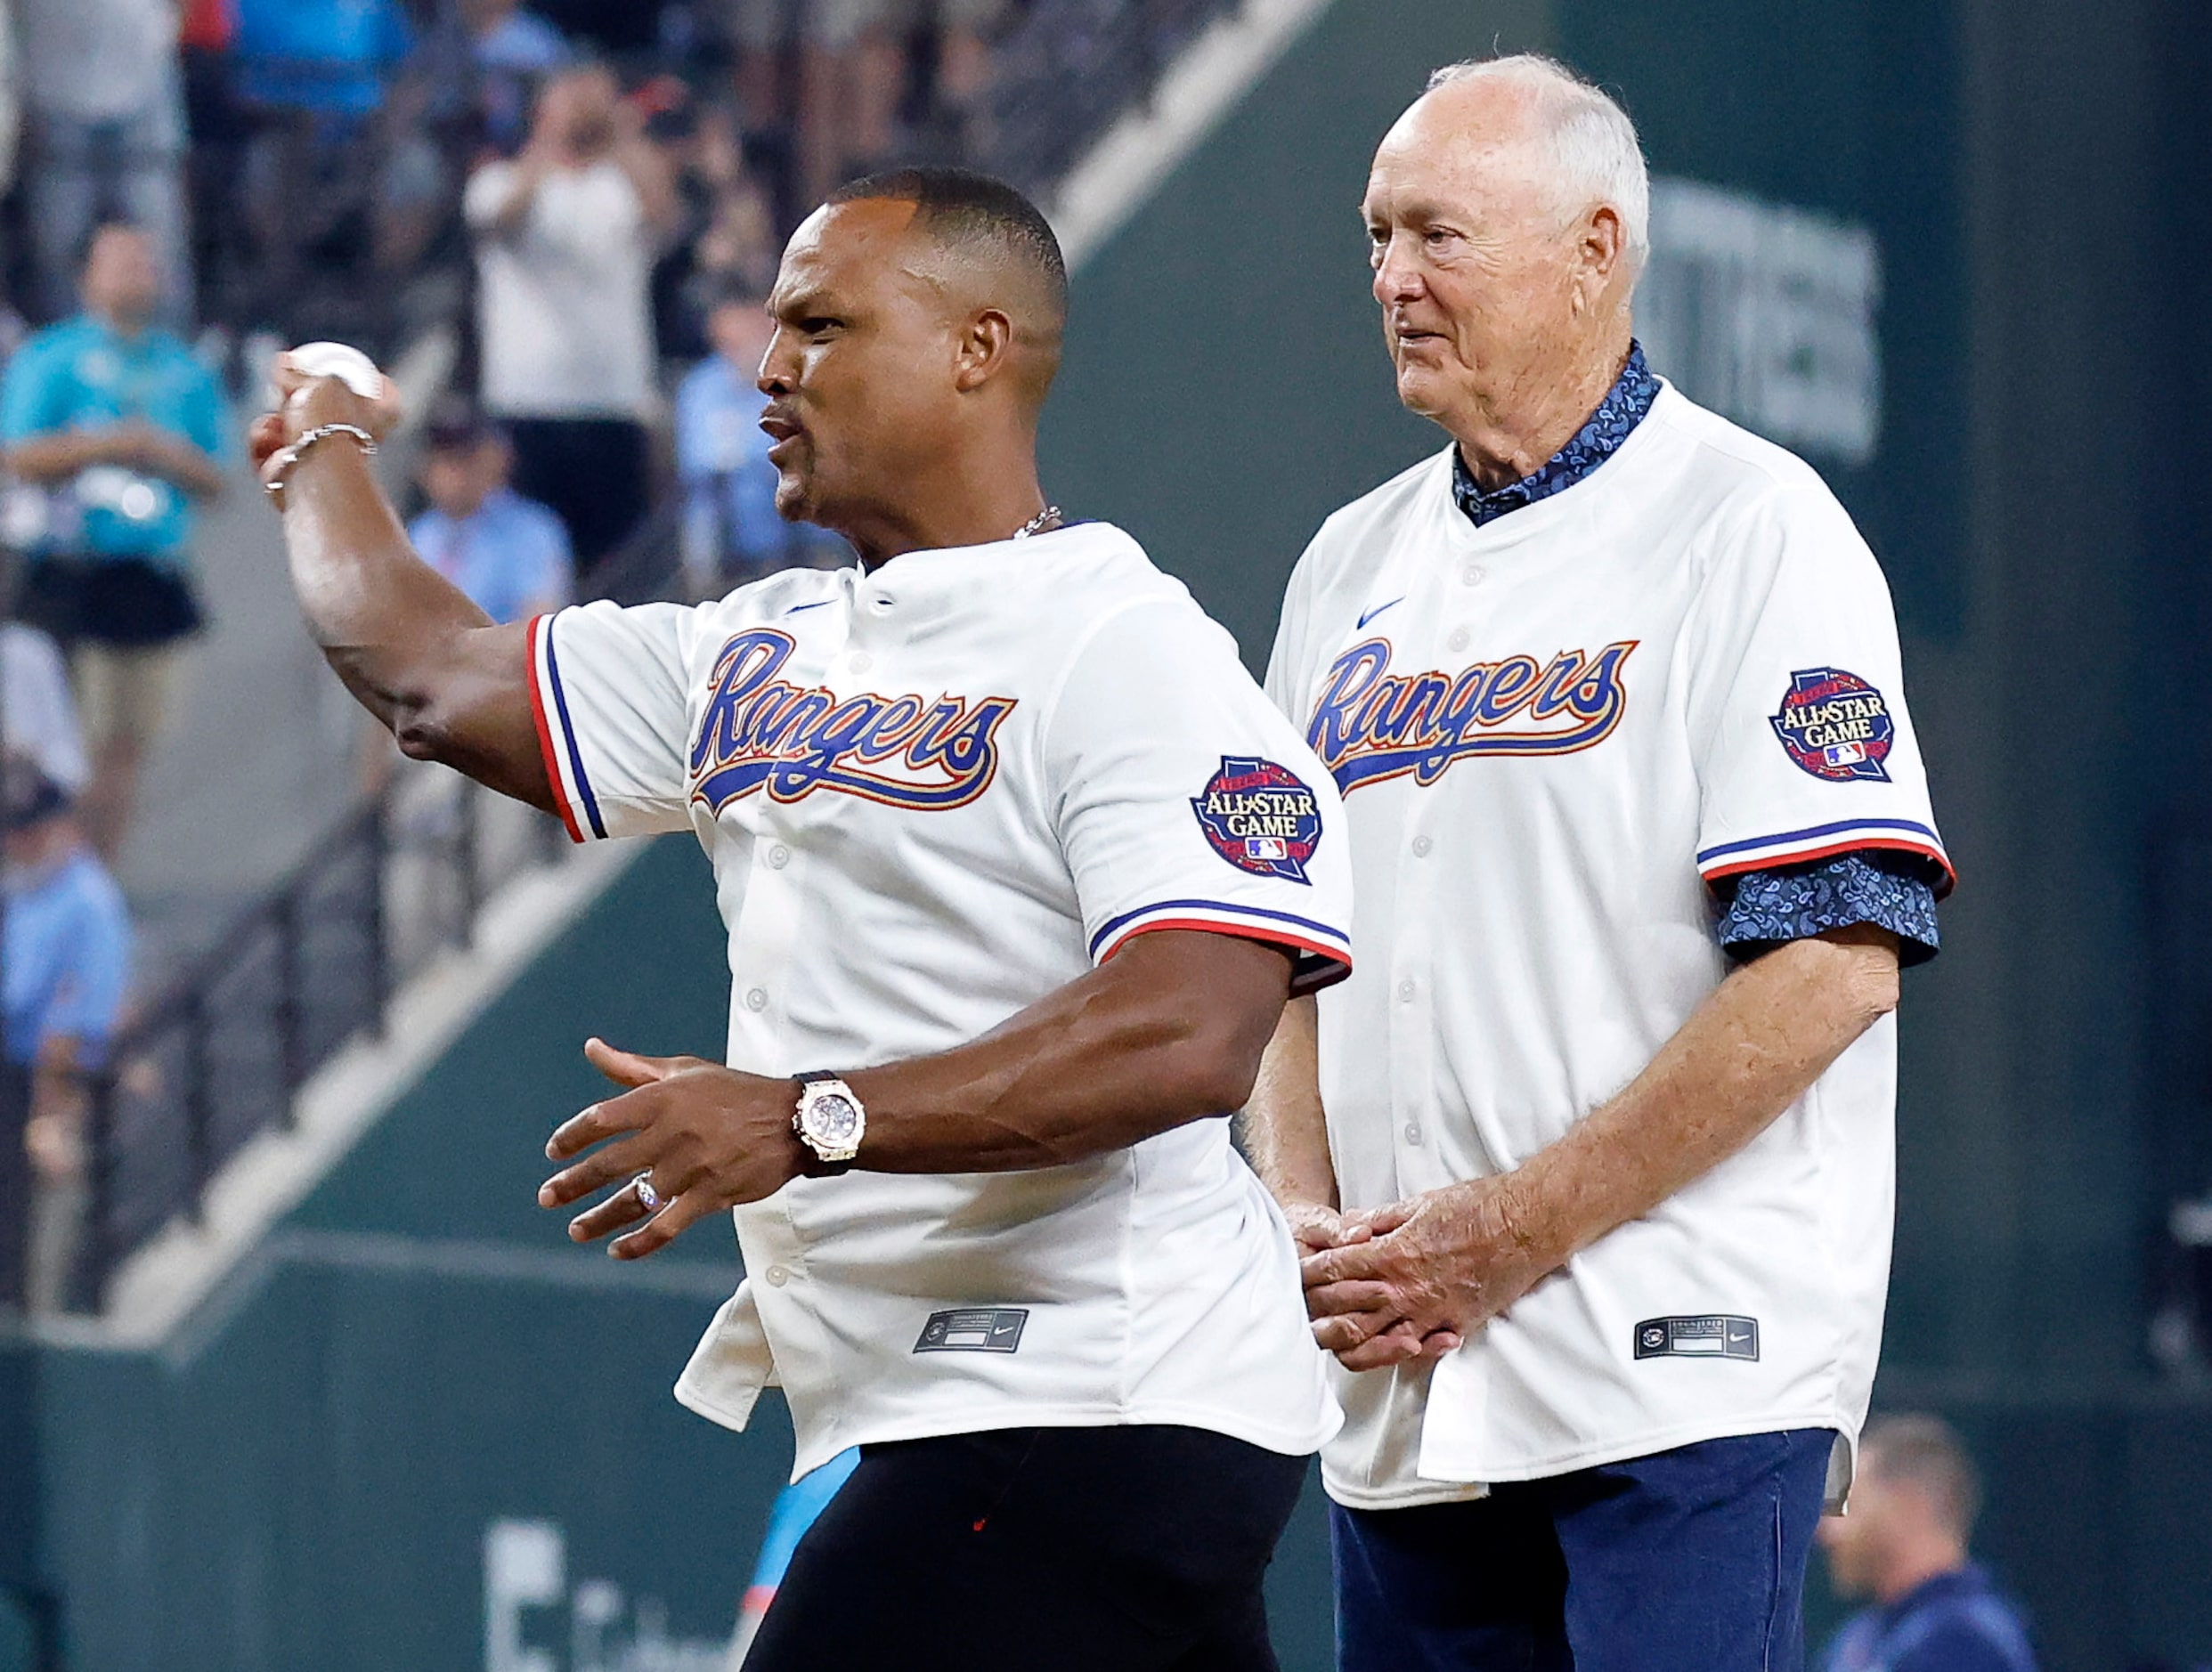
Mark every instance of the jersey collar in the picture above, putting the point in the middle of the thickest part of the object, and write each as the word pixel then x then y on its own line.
pixel 1620 412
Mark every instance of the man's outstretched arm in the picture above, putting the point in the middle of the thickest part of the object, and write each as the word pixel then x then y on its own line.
pixel 1169 1030
pixel 452 686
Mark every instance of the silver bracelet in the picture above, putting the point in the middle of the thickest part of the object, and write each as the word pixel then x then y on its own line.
pixel 286 458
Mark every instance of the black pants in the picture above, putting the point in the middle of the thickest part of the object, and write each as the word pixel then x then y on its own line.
pixel 1039 1550
pixel 596 474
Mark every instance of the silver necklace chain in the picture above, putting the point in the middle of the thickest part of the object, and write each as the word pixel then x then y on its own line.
pixel 1038 524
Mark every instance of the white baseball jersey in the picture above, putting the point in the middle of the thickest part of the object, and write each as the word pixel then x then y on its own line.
pixel 1551 733
pixel 932 795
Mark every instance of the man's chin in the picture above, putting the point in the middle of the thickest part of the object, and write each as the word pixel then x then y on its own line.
pixel 794 503
pixel 1422 391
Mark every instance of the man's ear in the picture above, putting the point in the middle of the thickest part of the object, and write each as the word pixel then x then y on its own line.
pixel 985 346
pixel 1601 251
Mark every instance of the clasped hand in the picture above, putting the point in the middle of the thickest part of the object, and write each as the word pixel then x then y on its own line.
pixel 711 1137
pixel 1412 1281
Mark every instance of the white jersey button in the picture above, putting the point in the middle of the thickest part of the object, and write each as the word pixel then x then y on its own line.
pixel 1421 845
pixel 1473 574
pixel 1458 641
pixel 756 1000
pixel 1413 1132
pixel 779 857
pixel 862 661
pixel 776 1277
pixel 1405 992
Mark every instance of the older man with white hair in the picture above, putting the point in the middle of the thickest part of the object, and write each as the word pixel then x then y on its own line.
pixel 1592 1156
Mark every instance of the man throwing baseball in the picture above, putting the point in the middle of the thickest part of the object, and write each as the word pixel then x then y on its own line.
pixel 1018 867
pixel 1600 1215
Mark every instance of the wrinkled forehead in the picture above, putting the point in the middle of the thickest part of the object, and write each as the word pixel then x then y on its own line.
pixel 1466 147
pixel 850 251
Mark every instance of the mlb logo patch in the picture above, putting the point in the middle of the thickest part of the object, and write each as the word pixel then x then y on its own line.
pixel 1260 818
pixel 1835 726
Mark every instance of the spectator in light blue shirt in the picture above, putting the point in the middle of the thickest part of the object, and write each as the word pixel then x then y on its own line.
pixel 124 430
pixel 731 532
pixel 64 961
pixel 509 553
pixel 1903 1544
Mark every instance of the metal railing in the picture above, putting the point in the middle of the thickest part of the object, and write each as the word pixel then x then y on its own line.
pixel 220 1055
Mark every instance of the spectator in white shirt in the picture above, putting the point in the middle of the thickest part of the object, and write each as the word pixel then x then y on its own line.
pixel 105 99
pixel 566 238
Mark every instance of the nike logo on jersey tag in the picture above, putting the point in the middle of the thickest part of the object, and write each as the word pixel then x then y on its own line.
pixel 1713 1336
pixel 1380 608
pixel 974 1329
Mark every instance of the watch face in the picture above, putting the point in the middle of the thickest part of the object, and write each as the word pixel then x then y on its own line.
pixel 833 1120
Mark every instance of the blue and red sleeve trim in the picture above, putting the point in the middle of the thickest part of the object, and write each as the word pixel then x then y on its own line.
pixel 573 796
pixel 1824 841
pixel 1322 953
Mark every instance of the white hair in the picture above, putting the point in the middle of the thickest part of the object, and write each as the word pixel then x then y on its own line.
pixel 1591 142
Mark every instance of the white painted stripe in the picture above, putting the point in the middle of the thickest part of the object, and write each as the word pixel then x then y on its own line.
pixel 1119 173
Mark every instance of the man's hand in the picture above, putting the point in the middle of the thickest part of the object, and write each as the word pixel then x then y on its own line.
pixel 1426 1275
pixel 1313 1227
pixel 55 1144
pixel 155 451
pixel 711 1139
pixel 304 402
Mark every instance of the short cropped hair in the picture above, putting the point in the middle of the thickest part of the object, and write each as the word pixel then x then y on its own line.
pixel 1926 1453
pixel 961 206
pixel 1592 143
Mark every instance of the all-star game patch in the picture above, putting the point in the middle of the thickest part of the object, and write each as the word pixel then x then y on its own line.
pixel 1259 817
pixel 1835 726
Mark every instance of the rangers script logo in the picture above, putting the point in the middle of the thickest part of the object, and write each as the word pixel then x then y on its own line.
pixel 1371 724
pixel 759 732
pixel 1259 817
pixel 1835 726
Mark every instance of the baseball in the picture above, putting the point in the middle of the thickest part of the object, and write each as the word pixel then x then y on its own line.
pixel 348 365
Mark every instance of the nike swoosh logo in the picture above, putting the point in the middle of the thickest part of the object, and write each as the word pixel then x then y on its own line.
pixel 1380 608
pixel 817 604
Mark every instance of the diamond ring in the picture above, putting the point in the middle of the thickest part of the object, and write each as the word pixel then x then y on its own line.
pixel 648 1198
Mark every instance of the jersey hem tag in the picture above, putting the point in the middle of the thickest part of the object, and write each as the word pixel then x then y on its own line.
pixel 1707 1335
pixel 974 1329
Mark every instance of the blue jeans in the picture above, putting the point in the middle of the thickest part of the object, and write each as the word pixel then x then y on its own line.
pixel 1689 1560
